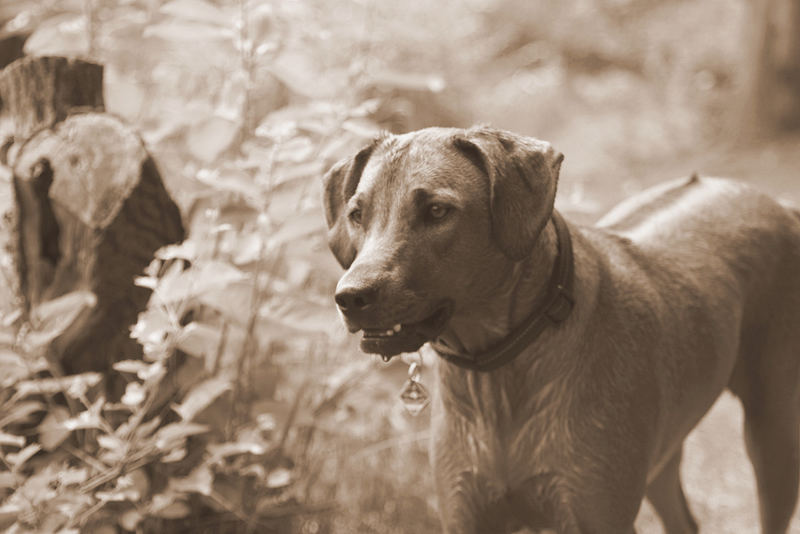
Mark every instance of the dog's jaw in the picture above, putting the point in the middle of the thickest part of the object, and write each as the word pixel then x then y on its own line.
pixel 407 336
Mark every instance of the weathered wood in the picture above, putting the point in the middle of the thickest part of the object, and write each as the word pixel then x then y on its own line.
pixel 770 85
pixel 37 92
pixel 12 46
pixel 90 209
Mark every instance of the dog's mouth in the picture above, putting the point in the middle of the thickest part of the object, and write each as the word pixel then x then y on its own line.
pixel 406 337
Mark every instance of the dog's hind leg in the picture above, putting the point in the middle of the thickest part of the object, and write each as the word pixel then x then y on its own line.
pixel 771 436
pixel 666 495
pixel 770 395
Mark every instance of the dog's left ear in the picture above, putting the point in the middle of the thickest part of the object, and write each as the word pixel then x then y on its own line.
pixel 339 184
pixel 523 175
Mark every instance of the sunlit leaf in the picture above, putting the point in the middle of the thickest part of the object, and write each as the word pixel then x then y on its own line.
pixel 72 475
pixel 145 429
pixel 233 180
pixel 20 412
pixel 409 81
pixel 8 515
pixel 210 138
pixel 110 442
pixel 52 431
pixel 11 439
pixel 175 455
pixel 131 366
pixel 68 384
pixel 298 227
pixel 173 434
pixel 201 278
pixel 279 478
pixel 187 250
pixel 17 460
pixel 235 301
pixel 201 396
pixel 123 94
pixel 197 10
pixel 52 318
pixel 200 480
pixel 17 367
pixel 127 494
pixel 183 30
pixel 224 450
pixel 85 419
pixel 361 127
pixel 7 480
pixel 300 315
pixel 200 340
pixel 134 394
pixel 248 248
pixel 173 510
pixel 153 325
pixel 130 519
pixel 64 35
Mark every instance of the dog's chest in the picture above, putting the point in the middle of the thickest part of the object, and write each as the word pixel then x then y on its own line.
pixel 511 433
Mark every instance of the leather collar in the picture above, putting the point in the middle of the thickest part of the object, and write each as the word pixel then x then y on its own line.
pixel 554 309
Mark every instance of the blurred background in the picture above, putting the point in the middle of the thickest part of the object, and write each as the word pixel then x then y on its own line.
pixel 245 104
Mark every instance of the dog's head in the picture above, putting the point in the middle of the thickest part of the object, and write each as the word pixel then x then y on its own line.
pixel 425 222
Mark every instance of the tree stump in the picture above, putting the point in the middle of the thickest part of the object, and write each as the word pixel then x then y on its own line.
pixel 89 210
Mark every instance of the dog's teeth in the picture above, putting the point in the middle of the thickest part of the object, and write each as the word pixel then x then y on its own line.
pixel 397 327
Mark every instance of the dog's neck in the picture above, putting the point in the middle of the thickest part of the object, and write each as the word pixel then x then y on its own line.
pixel 504 306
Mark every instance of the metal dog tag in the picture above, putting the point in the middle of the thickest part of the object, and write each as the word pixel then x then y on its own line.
pixel 414 395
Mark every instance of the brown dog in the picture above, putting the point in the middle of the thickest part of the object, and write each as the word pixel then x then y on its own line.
pixel 574 360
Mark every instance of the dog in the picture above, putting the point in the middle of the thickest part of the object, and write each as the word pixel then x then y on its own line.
pixel 573 360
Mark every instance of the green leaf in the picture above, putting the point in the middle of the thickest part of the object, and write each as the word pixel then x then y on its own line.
pixel 131 366
pixel 8 515
pixel 172 435
pixel 20 412
pixel 12 440
pixel 235 301
pixel 231 179
pixel 279 478
pixel 301 225
pixel 200 340
pixel 201 278
pixel 72 384
pixel 52 431
pixel 64 35
pixel 52 318
pixel 71 476
pixel 300 315
pixel 201 396
pixel 200 480
pixel 173 510
pixel 85 419
pixel 17 460
pixel 189 31
pixel 16 367
pixel 196 10
pixel 130 519
pixel 210 138
pixel 7 480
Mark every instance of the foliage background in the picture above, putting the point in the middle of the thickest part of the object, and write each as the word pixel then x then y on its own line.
pixel 284 426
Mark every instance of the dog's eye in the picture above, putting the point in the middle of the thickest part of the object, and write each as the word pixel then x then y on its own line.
pixel 355 216
pixel 438 211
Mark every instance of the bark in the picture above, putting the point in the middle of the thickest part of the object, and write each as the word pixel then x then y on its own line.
pixel 90 207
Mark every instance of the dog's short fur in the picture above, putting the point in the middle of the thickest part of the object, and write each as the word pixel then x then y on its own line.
pixel 680 292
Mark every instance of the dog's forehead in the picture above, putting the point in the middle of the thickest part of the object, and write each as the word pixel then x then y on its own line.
pixel 405 163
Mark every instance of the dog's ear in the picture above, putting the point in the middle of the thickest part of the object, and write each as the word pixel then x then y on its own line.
pixel 523 175
pixel 340 184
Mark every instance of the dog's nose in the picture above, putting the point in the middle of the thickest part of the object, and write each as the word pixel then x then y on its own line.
pixel 352 299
